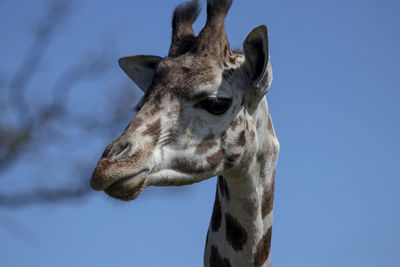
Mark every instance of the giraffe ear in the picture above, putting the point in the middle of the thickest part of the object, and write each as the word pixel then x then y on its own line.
pixel 140 69
pixel 257 62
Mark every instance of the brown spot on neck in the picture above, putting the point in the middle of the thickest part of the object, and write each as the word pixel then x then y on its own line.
pixel 207 143
pixel 263 249
pixel 235 233
pixel 224 135
pixel 216 217
pixel 215 159
pixel 241 140
pixel 268 198
pixel 216 260
pixel 223 187
pixel 231 159
pixel 236 122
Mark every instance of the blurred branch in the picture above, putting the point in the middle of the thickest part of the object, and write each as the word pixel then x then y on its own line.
pixel 12 141
pixel 18 230
pixel 39 196
pixel 32 127
pixel 56 13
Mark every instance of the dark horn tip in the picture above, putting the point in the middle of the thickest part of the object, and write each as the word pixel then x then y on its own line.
pixel 217 7
pixel 186 13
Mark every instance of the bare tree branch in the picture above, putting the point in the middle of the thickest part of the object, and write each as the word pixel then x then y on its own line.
pixel 55 15
pixel 48 125
pixel 31 129
pixel 12 142
pixel 39 196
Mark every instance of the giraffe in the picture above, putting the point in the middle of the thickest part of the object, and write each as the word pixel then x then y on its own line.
pixel 203 114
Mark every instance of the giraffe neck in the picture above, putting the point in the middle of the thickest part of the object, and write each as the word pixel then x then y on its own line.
pixel 241 224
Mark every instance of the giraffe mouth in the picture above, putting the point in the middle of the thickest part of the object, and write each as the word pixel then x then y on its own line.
pixel 127 188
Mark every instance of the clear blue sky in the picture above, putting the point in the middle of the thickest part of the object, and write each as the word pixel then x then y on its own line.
pixel 335 105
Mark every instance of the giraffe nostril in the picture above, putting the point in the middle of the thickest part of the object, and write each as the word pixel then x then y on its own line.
pixel 118 150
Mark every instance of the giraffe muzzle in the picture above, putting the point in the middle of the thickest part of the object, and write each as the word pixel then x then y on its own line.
pixel 122 165
pixel 128 188
pixel 123 186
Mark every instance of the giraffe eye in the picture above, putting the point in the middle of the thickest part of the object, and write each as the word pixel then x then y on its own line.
pixel 215 105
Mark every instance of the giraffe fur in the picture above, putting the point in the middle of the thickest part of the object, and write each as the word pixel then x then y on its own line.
pixel 203 114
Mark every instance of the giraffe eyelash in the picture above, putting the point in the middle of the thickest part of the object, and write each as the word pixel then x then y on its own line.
pixel 215 105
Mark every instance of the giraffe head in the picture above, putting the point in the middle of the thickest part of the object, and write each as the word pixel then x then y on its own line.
pixel 200 114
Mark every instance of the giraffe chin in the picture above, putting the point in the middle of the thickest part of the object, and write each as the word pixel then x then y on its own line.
pixel 127 189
